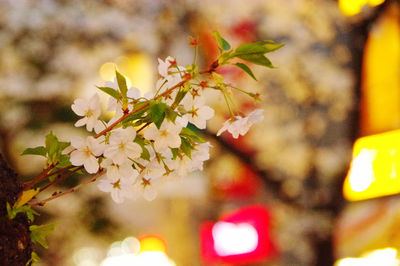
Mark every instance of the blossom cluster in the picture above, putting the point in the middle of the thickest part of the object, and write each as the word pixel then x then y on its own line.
pixel 152 137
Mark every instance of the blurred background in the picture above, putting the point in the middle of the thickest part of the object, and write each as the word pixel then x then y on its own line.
pixel 293 191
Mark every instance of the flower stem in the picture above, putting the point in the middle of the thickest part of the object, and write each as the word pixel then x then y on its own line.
pixel 227 102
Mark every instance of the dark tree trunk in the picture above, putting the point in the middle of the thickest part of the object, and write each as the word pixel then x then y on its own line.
pixel 15 242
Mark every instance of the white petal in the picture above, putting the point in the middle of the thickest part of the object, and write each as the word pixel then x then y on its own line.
pixel 111 151
pixel 116 195
pixel 174 141
pixel 133 150
pixel 134 93
pixel 80 106
pixel 77 142
pixel 91 122
pixel 205 112
pixel 119 158
pixel 149 193
pixel 77 158
pixel 151 133
pixel 224 127
pixel 91 165
pixel 105 185
pixel 99 126
pixel 81 122
pixel 130 134
pixel 95 146
pixel 113 172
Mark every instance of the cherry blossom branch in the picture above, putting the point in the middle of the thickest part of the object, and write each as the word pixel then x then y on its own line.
pixel 91 180
pixel 109 128
pixel 212 68
pixel 42 176
pixel 62 177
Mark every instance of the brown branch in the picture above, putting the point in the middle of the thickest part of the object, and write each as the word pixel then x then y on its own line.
pixel 42 176
pixel 62 177
pixel 91 180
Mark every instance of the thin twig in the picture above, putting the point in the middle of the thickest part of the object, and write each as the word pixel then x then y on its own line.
pixel 143 127
pixel 42 176
pixel 43 202
pixel 60 178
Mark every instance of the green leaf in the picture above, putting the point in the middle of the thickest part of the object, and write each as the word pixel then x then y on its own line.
pixel 64 161
pixel 246 69
pixel 63 145
pixel 170 114
pixel 145 152
pixel 186 147
pixel 110 91
pixel 258 59
pixel 157 113
pixel 40 232
pixel 137 115
pixel 40 150
pixel 52 146
pixel 175 152
pixel 272 46
pixel 12 212
pixel 34 259
pixel 251 48
pixel 121 84
pixel 190 134
pixel 222 43
pixel 179 97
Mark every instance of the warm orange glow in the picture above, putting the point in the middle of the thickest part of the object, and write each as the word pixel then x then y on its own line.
pixel 152 243
pixel 381 76
pixel 353 7
pixel 375 168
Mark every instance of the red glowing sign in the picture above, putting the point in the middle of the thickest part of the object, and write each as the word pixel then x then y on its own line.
pixel 238 237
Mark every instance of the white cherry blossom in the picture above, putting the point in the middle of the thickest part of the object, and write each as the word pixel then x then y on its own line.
pixel 116 171
pixel 166 136
pixel 240 125
pixel 149 180
pixel 122 147
pixel 164 65
pixel 89 109
pixel 86 152
pixel 199 155
pixel 118 188
pixel 198 112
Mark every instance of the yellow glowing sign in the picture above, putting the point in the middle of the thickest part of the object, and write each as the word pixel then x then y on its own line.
pixel 381 75
pixel 375 168
pixel 353 7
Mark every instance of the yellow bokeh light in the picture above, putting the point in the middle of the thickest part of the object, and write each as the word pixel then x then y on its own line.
pixel 353 7
pixel 152 243
pixel 375 167
pixel 136 67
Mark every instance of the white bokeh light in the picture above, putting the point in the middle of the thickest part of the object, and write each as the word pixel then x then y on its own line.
pixel 361 173
pixel 234 239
